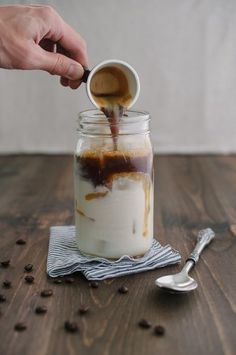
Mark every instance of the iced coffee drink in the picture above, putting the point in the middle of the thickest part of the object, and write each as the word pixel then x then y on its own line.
pixel 113 186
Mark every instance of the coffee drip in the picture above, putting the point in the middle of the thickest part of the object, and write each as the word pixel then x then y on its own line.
pixel 110 90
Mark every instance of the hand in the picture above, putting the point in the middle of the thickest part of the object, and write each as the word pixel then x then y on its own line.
pixel 36 37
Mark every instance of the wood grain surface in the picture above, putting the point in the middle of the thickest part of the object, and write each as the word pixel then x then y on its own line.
pixel 191 192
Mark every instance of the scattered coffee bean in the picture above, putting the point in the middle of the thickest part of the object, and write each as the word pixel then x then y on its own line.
pixel 83 309
pixel 143 323
pixel 71 327
pixel 46 293
pixel 2 298
pixel 20 326
pixel 123 289
pixel 28 267
pixel 6 284
pixel 5 263
pixel 93 284
pixel 69 280
pixel 57 281
pixel 29 279
pixel 21 241
pixel 41 310
pixel 159 330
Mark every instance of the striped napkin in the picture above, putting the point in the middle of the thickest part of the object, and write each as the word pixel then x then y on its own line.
pixel 64 258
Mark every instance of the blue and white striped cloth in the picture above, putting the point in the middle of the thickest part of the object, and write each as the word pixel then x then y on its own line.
pixel 64 258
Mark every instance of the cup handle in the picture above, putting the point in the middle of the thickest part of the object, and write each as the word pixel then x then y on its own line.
pixel 85 75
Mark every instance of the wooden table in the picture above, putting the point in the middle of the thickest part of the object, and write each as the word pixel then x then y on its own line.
pixel 191 192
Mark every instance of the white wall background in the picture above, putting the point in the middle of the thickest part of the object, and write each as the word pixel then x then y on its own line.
pixel 184 52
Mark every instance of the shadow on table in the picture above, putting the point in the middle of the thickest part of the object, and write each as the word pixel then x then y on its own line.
pixel 164 300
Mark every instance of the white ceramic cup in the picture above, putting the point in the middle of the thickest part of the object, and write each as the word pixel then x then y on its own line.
pixel 127 69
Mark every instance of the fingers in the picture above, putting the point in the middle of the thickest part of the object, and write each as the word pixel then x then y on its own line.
pixel 74 84
pixel 64 81
pixel 69 44
pixel 74 44
pixel 59 64
pixel 64 35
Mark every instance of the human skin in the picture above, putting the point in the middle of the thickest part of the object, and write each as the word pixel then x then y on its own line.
pixel 36 37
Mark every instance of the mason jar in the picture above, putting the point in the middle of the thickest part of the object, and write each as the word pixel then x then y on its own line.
pixel 113 185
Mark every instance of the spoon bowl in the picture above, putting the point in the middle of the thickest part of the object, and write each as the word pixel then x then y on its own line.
pixel 177 283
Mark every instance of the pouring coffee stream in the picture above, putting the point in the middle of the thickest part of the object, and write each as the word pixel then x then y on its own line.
pixel 109 88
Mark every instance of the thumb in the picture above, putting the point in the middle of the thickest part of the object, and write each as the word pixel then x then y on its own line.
pixel 59 64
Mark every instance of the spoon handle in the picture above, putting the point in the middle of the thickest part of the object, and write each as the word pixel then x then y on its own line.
pixel 205 236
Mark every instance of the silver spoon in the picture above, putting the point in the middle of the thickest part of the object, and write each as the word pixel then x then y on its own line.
pixel 182 282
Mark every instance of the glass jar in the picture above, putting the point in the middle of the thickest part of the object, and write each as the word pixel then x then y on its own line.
pixel 114 185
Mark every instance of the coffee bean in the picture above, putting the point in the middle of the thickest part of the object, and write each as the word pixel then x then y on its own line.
pixel 20 326
pixel 21 241
pixel 28 267
pixel 69 280
pixel 93 284
pixel 57 281
pixel 83 309
pixel 2 298
pixel 6 284
pixel 159 330
pixel 46 293
pixel 5 263
pixel 123 289
pixel 143 323
pixel 29 279
pixel 41 310
pixel 71 327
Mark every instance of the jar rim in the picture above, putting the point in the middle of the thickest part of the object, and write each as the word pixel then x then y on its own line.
pixel 94 122
pixel 95 116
